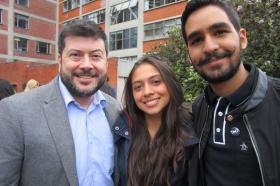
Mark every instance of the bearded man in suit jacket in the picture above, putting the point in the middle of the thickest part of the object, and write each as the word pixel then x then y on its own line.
pixel 60 134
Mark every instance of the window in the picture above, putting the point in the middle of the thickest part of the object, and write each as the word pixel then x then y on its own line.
pixel 43 48
pixel 124 12
pixel 70 21
pixel 70 4
pixel 155 3
pixel 87 1
pixel 97 17
pixel 21 21
pixel 160 29
pixel 123 39
pixel 1 16
pixel 129 59
pixel 22 2
pixel 20 44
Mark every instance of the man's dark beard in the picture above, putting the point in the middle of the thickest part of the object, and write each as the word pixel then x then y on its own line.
pixel 74 91
pixel 233 68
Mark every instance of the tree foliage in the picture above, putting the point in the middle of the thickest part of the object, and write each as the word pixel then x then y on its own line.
pixel 261 20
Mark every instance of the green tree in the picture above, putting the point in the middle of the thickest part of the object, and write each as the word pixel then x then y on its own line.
pixel 261 20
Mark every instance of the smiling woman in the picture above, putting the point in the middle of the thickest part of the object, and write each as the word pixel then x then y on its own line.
pixel 162 137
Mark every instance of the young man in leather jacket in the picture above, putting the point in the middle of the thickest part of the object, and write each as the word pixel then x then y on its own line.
pixel 237 117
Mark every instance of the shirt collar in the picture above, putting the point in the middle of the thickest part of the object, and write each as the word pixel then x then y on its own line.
pixel 241 94
pixel 98 97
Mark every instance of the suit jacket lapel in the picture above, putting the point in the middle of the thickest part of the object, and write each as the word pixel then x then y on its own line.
pixel 111 111
pixel 57 119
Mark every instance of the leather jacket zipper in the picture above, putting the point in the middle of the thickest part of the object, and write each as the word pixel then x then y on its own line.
pixel 253 140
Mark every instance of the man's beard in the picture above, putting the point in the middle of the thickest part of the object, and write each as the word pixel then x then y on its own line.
pixel 75 91
pixel 225 75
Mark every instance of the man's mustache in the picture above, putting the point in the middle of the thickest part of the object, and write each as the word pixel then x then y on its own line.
pixel 215 54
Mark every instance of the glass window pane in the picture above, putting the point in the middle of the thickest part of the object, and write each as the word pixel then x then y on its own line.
pixel 112 41
pixel 133 36
pixel 126 43
pixel 126 13
pixel 119 40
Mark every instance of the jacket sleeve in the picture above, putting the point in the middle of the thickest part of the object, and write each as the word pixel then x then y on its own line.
pixel 11 145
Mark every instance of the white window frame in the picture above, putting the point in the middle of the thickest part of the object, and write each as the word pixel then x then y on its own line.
pixel 17 46
pixel 98 16
pixel 20 17
pixel 123 39
pixel 129 59
pixel 19 2
pixel 70 21
pixel 38 47
pixel 118 12
pixel 150 4
pixel 70 4
pixel 86 1
pixel 160 29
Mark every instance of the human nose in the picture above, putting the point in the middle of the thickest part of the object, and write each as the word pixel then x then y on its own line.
pixel 148 90
pixel 210 45
pixel 86 63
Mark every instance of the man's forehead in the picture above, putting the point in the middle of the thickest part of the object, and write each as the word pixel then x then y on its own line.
pixel 75 42
pixel 205 17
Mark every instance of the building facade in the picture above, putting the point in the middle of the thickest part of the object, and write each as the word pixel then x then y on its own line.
pixel 28 30
pixel 133 27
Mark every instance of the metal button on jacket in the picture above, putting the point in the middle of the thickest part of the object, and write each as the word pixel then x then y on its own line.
pixel 229 117
pixel 235 131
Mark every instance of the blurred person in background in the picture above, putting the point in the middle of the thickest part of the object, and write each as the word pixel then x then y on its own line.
pixel 6 89
pixel 31 84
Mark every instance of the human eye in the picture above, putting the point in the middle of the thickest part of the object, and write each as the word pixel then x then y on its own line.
pixel 156 81
pixel 195 41
pixel 96 56
pixel 220 32
pixel 75 56
pixel 137 87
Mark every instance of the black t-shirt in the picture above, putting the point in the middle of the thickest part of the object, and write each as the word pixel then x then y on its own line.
pixel 230 159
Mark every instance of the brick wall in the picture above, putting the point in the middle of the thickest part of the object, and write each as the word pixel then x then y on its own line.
pixel 149 45
pixel 164 12
pixel 38 28
pixel 113 71
pixel 40 7
pixel 3 46
pixel 92 6
pixel 5 2
pixel 18 73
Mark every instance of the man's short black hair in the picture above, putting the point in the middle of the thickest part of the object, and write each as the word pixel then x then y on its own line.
pixel 194 5
pixel 82 28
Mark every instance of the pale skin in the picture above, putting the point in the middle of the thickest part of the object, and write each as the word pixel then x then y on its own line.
pixel 150 94
pixel 84 61
pixel 209 29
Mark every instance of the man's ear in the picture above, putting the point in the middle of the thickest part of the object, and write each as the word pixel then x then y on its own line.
pixel 243 38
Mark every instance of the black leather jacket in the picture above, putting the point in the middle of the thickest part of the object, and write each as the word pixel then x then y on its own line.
pixel 261 115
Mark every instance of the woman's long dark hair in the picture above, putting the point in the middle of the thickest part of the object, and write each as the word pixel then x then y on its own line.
pixel 153 162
